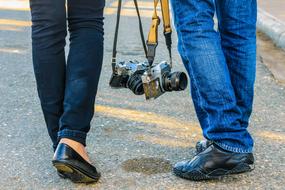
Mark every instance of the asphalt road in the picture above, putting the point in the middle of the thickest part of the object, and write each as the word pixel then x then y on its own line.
pixel 132 142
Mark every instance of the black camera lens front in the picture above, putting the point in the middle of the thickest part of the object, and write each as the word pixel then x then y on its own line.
pixel 176 81
pixel 135 84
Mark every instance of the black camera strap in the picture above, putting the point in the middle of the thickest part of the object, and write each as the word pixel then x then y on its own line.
pixel 141 27
pixel 114 56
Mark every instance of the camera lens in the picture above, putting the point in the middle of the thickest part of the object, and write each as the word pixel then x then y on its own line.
pixel 176 81
pixel 135 83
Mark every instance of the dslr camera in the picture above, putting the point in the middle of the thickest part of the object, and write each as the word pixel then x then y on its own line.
pixel 151 80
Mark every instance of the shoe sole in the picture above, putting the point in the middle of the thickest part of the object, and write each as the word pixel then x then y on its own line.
pixel 61 175
pixel 74 174
pixel 216 174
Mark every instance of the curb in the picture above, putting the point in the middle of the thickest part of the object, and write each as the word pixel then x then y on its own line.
pixel 272 27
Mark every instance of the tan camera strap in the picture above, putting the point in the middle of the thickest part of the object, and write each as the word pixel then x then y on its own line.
pixel 152 40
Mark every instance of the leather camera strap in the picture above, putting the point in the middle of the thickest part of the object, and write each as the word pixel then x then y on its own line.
pixel 152 40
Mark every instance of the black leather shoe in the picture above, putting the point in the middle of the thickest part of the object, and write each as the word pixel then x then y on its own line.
pixel 71 165
pixel 202 145
pixel 214 163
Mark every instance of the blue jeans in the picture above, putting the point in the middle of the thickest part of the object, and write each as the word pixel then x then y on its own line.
pixel 67 89
pixel 221 65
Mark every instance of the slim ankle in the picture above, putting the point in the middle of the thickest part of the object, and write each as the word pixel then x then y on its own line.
pixel 76 146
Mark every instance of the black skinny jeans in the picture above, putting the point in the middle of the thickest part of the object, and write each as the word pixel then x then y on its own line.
pixel 67 89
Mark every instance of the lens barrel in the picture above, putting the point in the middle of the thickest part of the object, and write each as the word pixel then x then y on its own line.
pixel 176 81
pixel 135 83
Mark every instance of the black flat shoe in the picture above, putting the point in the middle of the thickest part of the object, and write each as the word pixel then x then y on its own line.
pixel 214 163
pixel 71 165
pixel 62 175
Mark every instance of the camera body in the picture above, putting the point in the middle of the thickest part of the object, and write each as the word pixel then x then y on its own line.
pixel 152 80
pixel 128 75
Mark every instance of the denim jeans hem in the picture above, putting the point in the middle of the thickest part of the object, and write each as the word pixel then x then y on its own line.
pixel 77 136
pixel 233 149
